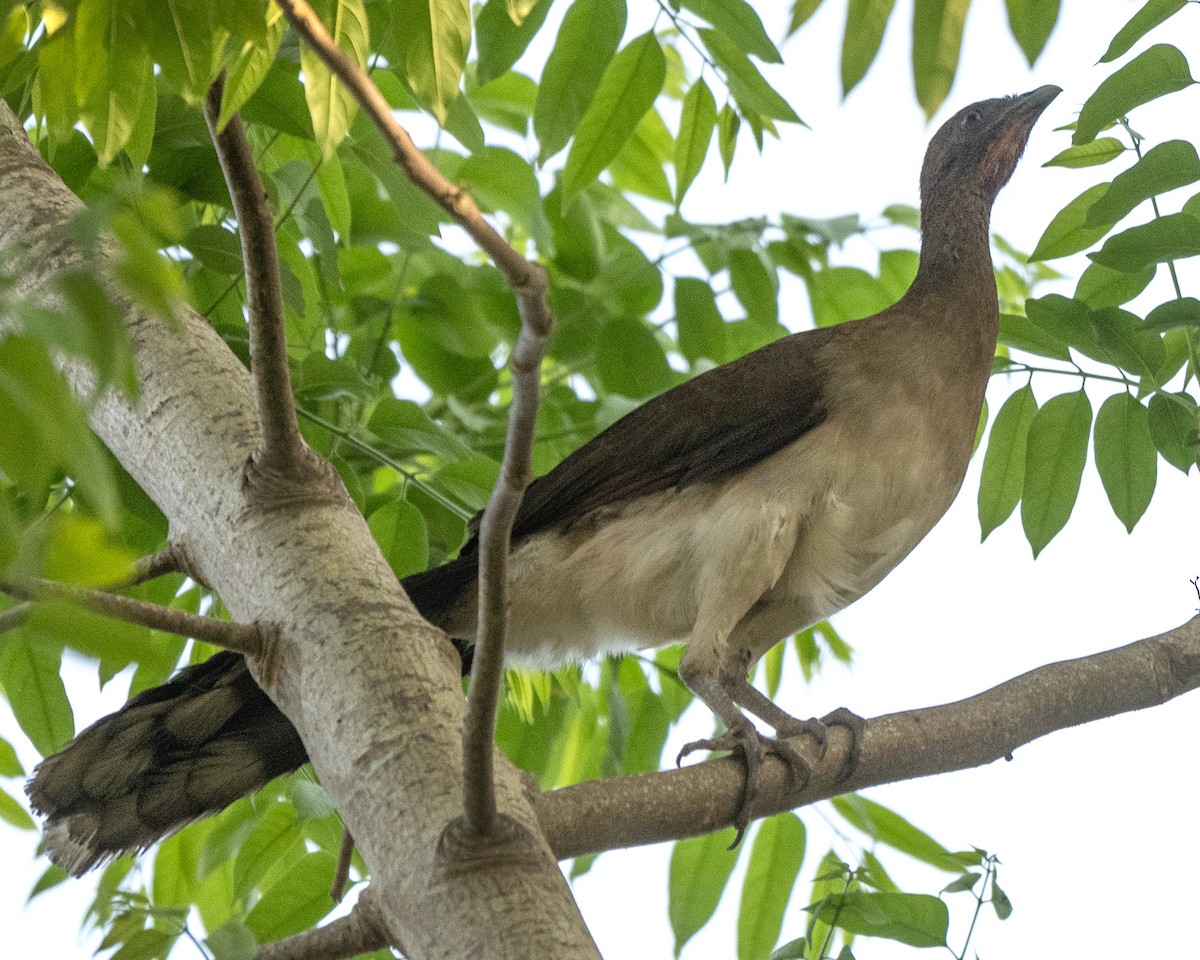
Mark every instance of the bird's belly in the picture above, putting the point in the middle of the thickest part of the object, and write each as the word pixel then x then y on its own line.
pixel 617 582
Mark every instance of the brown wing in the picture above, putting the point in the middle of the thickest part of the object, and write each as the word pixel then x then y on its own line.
pixel 709 428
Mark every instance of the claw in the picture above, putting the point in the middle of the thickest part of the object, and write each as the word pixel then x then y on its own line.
pixel 751 744
pixel 856 726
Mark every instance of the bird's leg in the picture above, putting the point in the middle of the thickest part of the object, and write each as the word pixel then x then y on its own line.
pixel 785 725
pixel 740 736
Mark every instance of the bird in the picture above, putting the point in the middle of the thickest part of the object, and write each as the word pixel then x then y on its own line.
pixel 727 513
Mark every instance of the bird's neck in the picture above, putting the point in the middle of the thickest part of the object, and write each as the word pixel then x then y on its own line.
pixel 956 257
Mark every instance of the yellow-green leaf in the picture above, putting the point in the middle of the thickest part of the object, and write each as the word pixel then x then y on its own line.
pixel 330 104
pixel 865 23
pixel 775 861
pixel 696 127
pixel 937 38
pixel 627 90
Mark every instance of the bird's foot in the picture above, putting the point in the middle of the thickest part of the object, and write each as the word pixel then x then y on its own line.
pixel 819 730
pixel 753 746
pixel 856 726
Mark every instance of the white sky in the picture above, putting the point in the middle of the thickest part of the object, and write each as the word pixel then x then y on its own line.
pixel 1095 826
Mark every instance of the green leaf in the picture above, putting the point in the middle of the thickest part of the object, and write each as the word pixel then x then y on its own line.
pixel 728 124
pixel 45 431
pixel 754 282
pixel 701 327
pixel 330 104
pixel 500 40
pixel 119 72
pixel 232 941
pixel 30 679
pixel 802 10
pixel 915 919
pixel 1184 312
pixel 1174 421
pixel 1126 458
pixel 749 88
pixel 627 90
pixel 1021 333
pixel 296 901
pixel 1173 237
pixel 1031 22
pixel 1088 154
pixel 1054 460
pixel 638 166
pixel 737 20
pixel 630 361
pixel 1153 73
pixel 586 42
pixel 1100 286
pixel 1127 342
pixel 12 34
pixel 839 294
pixel 1068 232
pixel 434 43
pixel 700 869
pixel 13 813
pixel 1146 19
pixel 216 248
pixel 937 39
pixel 1165 167
pixel 501 180
pixel 179 35
pixel 775 860
pixel 399 529
pixel 887 826
pixel 1004 463
pixel 865 23
pixel 696 127
pixel 1068 321
pixel 274 839
pixel 10 766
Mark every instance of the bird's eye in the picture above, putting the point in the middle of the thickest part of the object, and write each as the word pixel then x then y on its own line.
pixel 970 119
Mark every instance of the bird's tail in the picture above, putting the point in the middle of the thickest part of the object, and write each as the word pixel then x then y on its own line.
pixel 171 755
pixel 184 750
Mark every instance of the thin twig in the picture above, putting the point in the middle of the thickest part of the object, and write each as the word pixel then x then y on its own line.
pixel 14 616
pixel 153 566
pixel 283 451
pixel 360 931
pixel 341 875
pixel 529 282
pixel 240 637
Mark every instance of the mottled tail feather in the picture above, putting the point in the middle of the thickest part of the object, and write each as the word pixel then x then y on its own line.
pixel 171 755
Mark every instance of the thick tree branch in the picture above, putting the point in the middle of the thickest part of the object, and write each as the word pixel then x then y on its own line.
pixel 283 452
pixel 371 688
pixel 360 931
pixel 528 281
pixel 239 637
pixel 650 808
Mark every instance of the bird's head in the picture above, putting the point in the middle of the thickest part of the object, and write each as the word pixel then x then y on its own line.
pixel 977 149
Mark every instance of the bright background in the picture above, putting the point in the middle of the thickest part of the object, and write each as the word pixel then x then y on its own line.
pixel 1096 827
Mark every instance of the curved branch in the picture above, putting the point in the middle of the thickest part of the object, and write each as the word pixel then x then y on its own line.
pixel 283 452
pixel 653 807
pixel 529 282
pixel 239 637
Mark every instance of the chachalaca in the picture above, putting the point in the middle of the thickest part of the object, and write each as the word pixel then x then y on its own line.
pixel 727 514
